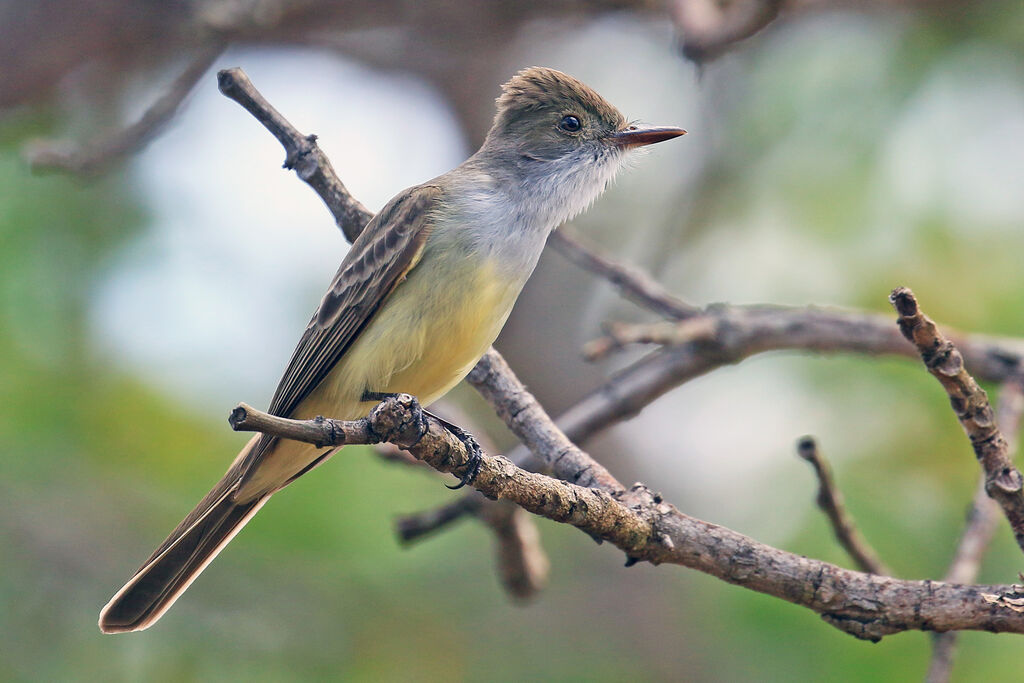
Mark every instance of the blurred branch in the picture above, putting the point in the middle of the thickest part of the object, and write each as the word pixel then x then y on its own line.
pixel 100 154
pixel 1003 481
pixel 743 331
pixel 830 500
pixel 712 27
pixel 649 529
pixel 619 335
pixel 416 526
pixel 722 334
pixel 522 563
pixel 632 283
pixel 982 518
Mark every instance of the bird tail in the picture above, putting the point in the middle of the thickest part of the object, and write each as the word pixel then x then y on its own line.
pixel 182 557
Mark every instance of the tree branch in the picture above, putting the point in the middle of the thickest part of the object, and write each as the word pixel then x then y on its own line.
pixel 528 420
pixel 649 529
pixel 1003 481
pixel 982 518
pixel 108 149
pixel 632 283
pixel 830 500
pixel 302 154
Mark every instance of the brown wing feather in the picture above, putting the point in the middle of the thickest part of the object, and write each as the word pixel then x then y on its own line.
pixel 389 246
pixel 381 256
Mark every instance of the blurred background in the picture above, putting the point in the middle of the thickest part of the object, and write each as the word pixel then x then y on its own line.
pixel 836 150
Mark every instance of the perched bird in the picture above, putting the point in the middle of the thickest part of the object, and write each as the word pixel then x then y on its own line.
pixel 421 295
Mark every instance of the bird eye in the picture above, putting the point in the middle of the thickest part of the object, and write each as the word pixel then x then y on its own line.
pixel 570 124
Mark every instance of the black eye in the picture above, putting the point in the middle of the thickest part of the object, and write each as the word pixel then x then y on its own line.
pixel 570 124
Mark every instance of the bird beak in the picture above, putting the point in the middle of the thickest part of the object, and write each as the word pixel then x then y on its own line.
pixel 638 137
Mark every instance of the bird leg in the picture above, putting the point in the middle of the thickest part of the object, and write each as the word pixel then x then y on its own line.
pixel 472 447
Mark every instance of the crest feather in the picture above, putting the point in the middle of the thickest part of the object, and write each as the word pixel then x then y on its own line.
pixel 538 88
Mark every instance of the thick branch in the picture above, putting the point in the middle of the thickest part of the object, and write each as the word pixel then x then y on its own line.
pixel 98 155
pixel 396 420
pixel 528 420
pixel 647 528
pixel 1003 481
pixel 830 500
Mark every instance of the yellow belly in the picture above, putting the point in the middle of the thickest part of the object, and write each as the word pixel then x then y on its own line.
pixel 424 340
pixel 427 337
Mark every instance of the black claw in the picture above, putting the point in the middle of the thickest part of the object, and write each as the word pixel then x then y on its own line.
pixel 376 395
pixel 475 461
pixel 475 456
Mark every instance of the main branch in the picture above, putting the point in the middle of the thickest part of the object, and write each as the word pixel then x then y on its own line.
pixel 647 528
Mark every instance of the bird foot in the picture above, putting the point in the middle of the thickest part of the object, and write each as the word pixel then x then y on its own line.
pixel 473 464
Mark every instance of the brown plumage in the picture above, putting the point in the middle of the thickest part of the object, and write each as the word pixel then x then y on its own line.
pixel 380 257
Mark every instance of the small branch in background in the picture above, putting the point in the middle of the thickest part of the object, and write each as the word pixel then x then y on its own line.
pixel 419 525
pixel 97 156
pixel 1003 481
pixel 633 283
pixel 830 500
pixel 743 331
pixel 700 328
pixel 982 519
pixel 302 154
pixel 522 564
pixel 710 27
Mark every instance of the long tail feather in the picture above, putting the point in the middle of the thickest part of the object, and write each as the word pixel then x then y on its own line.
pixel 182 557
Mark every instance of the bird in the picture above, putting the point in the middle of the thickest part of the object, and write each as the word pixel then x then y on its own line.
pixel 419 297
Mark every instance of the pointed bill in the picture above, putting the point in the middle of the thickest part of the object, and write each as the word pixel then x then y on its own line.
pixel 635 136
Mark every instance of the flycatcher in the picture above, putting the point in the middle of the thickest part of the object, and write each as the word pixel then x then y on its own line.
pixel 421 295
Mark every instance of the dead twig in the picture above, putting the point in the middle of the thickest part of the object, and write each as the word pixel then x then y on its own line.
pixel 302 154
pixel 1003 481
pixel 830 500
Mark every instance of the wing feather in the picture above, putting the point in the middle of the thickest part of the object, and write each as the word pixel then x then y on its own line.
pixel 387 249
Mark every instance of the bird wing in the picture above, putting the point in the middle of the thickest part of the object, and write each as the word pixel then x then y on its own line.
pixel 386 250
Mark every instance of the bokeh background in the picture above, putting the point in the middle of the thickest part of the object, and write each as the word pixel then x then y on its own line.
pixel 841 151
